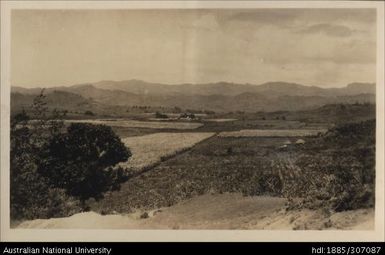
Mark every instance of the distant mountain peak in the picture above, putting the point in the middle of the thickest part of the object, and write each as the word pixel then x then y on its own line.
pixel 361 87
pixel 84 85
pixel 281 83
pixel 220 96
pixel 360 84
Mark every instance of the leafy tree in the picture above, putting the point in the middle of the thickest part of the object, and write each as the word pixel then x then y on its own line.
pixel 90 113
pixel 20 119
pixel 51 166
pixel 30 193
pixel 160 115
pixel 81 160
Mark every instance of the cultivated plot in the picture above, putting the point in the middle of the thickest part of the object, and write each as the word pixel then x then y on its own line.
pixel 142 124
pixel 272 133
pixel 220 120
pixel 150 149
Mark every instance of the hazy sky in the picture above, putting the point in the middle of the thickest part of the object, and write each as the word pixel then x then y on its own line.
pixel 322 47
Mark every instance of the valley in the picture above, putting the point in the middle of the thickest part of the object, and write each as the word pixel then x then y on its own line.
pixel 191 158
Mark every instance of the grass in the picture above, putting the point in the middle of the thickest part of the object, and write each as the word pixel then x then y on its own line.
pixel 143 124
pixel 209 166
pixel 149 150
pixel 273 133
pixel 325 172
pixel 334 170
pixel 249 122
pixel 124 132
pixel 219 120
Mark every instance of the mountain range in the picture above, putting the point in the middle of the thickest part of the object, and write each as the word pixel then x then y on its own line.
pixel 219 97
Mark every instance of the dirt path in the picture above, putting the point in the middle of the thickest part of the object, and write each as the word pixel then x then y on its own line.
pixel 225 211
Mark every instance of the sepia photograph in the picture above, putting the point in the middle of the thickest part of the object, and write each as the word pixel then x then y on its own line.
pixel 192 116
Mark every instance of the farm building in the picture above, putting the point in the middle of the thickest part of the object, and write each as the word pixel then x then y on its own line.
pixel 300 141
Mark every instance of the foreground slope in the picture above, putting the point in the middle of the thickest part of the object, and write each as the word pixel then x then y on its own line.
pixel 226 211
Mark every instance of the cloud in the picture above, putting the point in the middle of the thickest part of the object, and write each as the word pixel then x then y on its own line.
pixel 204 22
pixel 354 52
pixel 267 16
pixel 328 29
pixel 287 17
pixel 254 45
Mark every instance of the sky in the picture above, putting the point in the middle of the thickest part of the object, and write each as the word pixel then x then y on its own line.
pixel 318 47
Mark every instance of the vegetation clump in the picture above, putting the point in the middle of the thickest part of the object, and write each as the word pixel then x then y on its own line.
pixel 54 169
pixel 81 160
pixel 160 115
pixel 89 113
pixel 336 171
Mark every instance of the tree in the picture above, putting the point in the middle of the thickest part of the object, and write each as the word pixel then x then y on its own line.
pixel 89 113
pixel 52 168
pixel 160 115
pixel 30 193
pixel 81 160
pixel 23 178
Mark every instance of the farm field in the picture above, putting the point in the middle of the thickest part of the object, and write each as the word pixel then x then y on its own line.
pixel 255 166
pixel 219 120
pixel 150 149
pixel 192 175
pixel 249 122
pixel 219 164
pixel 174 115
pixel 273 133
pixel 141 124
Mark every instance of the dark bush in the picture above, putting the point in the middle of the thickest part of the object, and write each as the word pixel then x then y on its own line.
pixel 30 193
pixel 52 169
pixel 89 113
pixel 81 160
pixel 337 170
pixel 160 115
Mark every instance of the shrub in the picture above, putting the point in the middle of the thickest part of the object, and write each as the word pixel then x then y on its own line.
pixel 160 115
pixel 81 160
pixel 32 197
pixel 89 113
pixel 336 171
pixel 50 169
pixel 30 193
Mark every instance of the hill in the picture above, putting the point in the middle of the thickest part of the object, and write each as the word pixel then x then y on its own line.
pixel 54 99
pixel 219 97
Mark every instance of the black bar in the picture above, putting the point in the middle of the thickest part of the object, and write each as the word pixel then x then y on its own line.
pixel 114 248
